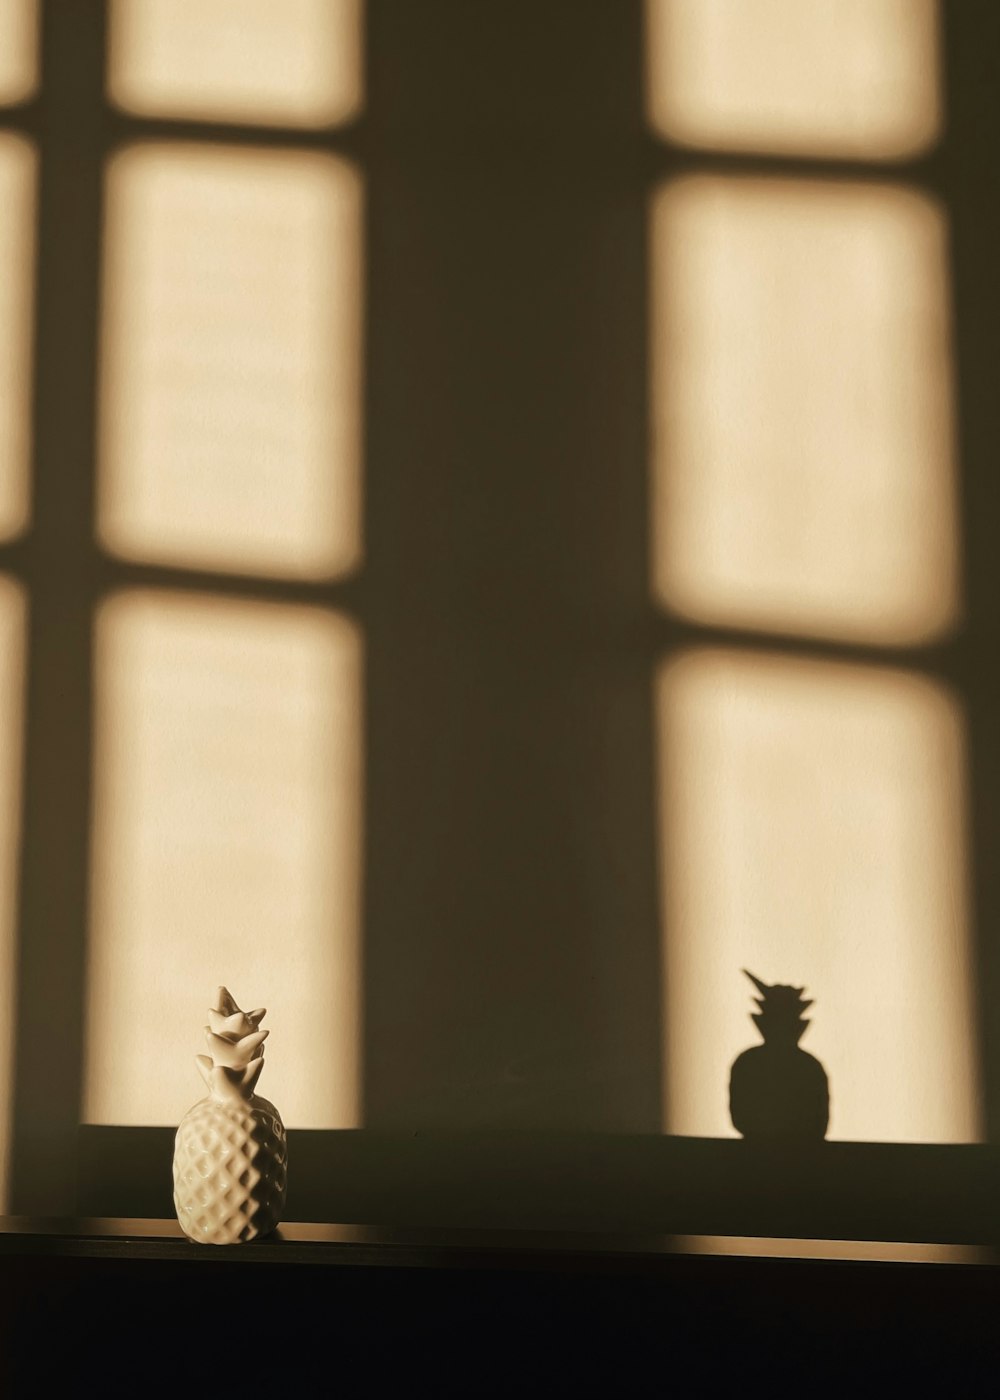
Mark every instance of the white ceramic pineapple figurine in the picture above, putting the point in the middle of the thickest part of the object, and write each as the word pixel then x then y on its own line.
pixel 230 1153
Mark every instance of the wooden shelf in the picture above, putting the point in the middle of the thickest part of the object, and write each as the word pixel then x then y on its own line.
pixel 354 1245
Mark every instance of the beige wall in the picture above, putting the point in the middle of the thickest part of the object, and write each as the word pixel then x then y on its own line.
pixel 506 523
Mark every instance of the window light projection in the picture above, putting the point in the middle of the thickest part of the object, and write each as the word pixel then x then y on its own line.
pixel 271 62
pixel 18 50
pixel 850 78
pixel 230 413
pixel 226 849
pixel 803 473
pixel 812 827
pixel 11 726
pixel 17 247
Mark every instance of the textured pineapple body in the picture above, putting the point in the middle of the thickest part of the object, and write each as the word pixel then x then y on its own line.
pixel 230 1161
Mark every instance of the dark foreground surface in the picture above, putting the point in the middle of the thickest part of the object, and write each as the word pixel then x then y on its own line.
pixel 131 1307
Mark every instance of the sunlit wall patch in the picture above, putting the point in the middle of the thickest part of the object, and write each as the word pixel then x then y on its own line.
pixel 18 50
pixel 825 78
pixel 230 413
pixel 294 63
pixel 812 830
pixel 803 465
pixel 227 849
pixel 18 164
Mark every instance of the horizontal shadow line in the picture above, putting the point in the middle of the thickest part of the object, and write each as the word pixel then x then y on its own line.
pixel 588 1181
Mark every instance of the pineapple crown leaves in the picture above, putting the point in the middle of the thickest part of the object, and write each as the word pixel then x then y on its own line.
pixel 236 1057
pixel 781 1009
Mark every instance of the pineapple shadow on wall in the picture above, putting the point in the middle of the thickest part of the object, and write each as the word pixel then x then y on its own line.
pixel 777 1090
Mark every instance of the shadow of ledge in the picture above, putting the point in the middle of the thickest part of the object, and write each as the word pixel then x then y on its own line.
pixel 579 1181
